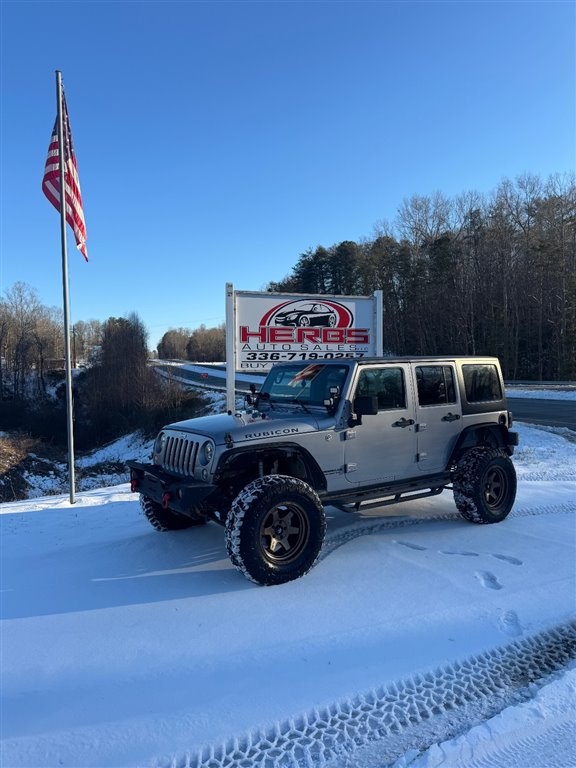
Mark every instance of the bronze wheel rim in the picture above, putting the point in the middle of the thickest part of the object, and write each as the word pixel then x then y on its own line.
pixel 284 533
pixel 495 488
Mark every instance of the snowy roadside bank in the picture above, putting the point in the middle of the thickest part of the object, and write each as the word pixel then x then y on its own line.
pixel 122 646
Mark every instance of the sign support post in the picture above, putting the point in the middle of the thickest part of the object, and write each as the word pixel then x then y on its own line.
pixel 230 348
pixel 379 322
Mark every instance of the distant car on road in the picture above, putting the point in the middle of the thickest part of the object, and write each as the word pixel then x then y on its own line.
pixel 307 314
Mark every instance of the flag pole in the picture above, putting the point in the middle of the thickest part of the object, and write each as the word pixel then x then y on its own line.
pixel 67 360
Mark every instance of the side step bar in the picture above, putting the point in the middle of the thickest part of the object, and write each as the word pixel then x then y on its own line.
pixel 386 500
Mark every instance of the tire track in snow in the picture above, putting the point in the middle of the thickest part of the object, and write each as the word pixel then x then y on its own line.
pixel 409 714
pixel 527 751
pixel 363 528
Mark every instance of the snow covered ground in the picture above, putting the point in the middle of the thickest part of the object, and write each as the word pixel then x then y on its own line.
pixel 419 640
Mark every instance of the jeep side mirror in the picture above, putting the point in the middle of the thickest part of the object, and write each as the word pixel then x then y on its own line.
pixel 365 405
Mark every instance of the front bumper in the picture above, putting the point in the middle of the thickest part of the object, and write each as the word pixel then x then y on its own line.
pixel 180 494
pixel 512 441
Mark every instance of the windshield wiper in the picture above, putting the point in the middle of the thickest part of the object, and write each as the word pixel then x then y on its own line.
pixel 297 402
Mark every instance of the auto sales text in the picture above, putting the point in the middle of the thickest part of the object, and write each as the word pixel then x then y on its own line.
pixel 320 335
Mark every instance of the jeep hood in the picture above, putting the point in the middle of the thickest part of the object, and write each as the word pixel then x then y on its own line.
pixel 247 426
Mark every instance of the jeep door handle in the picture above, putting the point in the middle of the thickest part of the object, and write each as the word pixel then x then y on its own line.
pixel 403 423
pixel 451 417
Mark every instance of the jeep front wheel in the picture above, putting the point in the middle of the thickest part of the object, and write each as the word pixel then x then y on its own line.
pixel 485 485
pixel 275 529
pixel 165 519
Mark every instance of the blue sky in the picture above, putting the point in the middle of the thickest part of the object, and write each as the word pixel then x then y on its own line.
pixel 216 141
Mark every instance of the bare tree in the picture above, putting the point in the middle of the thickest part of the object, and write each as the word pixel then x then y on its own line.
pixel 172 346
pixel 207 344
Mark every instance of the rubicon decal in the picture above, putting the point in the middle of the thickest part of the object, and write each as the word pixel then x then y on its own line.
pixel 271 433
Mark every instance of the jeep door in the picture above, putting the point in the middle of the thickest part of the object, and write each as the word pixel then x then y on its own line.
pixel 383 446
pixel 438 415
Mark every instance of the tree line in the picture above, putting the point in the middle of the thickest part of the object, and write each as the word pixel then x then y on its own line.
pixel 470 275
pixel 203 345
pixel 114 392
pixel 32 343
pixel 473 274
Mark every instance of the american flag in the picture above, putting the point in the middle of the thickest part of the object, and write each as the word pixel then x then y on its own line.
pixel 51 181
pixel 306 373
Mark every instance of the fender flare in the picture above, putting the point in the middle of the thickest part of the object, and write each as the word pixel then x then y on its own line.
pixel 486 434
pixel 316 478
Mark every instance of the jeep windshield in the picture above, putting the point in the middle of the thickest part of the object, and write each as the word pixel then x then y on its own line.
pixel 305 384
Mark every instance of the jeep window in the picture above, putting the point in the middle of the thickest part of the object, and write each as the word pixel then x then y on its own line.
pixel 435 384
pixel 482 383
pixel 386 383
pixel 304 383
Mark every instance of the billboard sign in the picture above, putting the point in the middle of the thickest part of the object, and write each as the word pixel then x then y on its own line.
pixel 273 327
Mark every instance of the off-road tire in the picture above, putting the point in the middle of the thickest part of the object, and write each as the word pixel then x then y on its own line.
pixel 275 529
pixel 485 485
pixel 166 519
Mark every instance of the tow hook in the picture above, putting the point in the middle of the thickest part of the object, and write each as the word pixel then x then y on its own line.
pixel 134 485
pixel 165 500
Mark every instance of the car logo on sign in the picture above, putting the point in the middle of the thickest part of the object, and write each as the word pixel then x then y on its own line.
pixel 305 314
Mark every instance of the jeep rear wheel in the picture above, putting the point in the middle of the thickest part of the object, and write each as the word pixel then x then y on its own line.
pixel 275 529
pixel 165 519
pixel 485 485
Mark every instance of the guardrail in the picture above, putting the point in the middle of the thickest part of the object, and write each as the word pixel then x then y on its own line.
pixel 516 383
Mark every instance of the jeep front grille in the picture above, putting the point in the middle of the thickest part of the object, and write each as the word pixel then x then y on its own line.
pixel 180 455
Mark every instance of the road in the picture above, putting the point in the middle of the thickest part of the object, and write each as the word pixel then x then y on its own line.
pixel 204 377
pixel 551 413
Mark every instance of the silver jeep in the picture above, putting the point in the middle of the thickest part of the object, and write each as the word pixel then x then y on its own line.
pixel 351 433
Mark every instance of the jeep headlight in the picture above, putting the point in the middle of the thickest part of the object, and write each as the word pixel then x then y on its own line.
pixel 206 453
pixel 159 444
